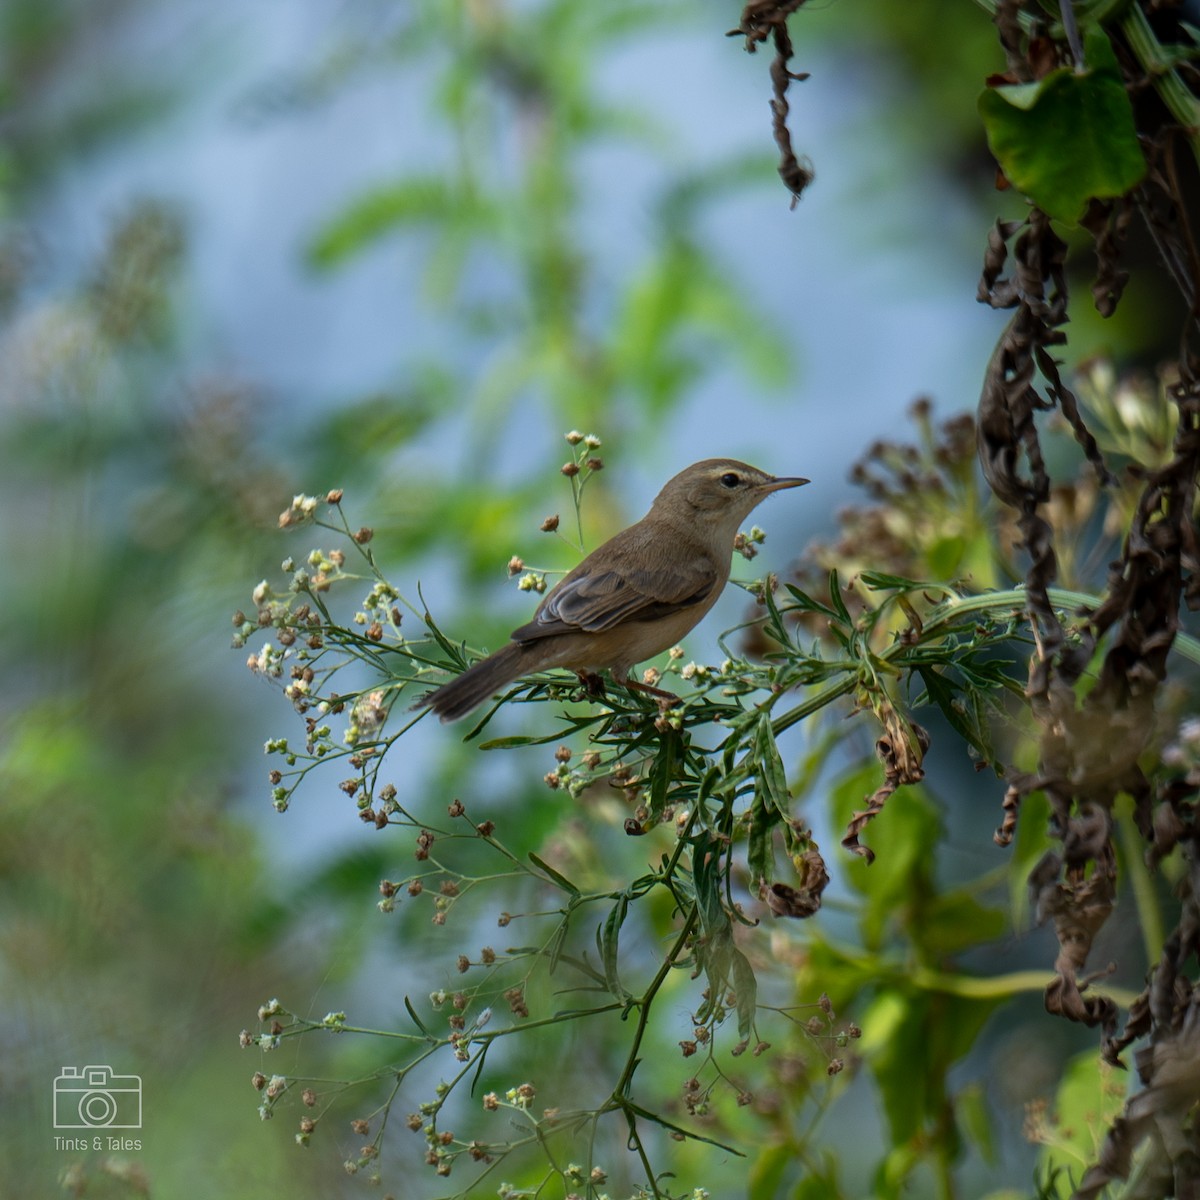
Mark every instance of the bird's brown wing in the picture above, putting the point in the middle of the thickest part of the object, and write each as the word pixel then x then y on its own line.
pixel 592 601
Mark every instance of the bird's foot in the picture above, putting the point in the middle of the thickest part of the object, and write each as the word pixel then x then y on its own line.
pixel 592 683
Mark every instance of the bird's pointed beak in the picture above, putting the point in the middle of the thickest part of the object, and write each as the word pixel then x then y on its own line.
pixel 779 482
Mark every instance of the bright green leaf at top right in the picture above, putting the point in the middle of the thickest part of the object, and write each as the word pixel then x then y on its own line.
pixel 1069 136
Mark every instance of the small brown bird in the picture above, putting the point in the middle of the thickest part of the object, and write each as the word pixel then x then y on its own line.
pixel 633 597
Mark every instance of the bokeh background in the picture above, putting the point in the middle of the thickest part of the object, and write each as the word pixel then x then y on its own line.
pixel 250 249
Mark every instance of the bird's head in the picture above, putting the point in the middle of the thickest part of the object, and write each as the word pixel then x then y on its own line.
pixel 719 494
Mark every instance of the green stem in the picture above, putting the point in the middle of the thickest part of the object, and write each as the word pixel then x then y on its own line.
pixel 1173 92
pixel 949 612
pixel 995 987
pixel 1150 920
pixel 643 1005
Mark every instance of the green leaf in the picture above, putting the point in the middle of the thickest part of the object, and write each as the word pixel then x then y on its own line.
pixel 805 603
pixel 945 554
pixel 771 805
pixel 760 850
pixel 882 581
pixel 510 743
pixel 767 1171
pixel 431 199
pixel 412 1012
pixel 745 988
pixel 819 1181
pixel 662 772
pixel 770 766
pixel 1069 136
pixel 455 651
pixel 715 949
pixel 907 831
pixel 835 598
pixel 1089 1097
pixel 910 1041
pixel 956 921
pixel 977 1121
pixel 562 881
pixel 962 709
pixel 607 937
pixel 774 626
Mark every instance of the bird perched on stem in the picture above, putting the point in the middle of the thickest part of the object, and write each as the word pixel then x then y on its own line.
pixel 633 597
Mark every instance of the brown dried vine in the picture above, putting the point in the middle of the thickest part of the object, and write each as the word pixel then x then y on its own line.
pixel 1092 750
pixel 784 900
pixel 901 749
pixel 762 19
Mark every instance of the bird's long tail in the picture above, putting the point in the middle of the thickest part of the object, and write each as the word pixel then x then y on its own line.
pixel 456 698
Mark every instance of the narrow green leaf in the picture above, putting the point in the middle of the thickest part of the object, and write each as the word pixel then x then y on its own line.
pixel 453 649
pixel 774 625
pixel 745 988
pixel 880 581
pixel 770 766
pixel 434 199
pixel 662 772
pixel 760 848
pixel 557 943
pixel 608 937
pixel 688 1134
pixel 835 598
pixel 806 603
pixel 959 707
pixel 412 1012
pixel 562 881
pixel 509 743
pixel 716 946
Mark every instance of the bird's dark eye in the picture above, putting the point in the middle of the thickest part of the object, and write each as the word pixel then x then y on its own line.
pixel 730 480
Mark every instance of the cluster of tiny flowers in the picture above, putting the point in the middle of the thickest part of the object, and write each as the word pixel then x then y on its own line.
pixel 269 609
pixel 302 510
pixel 746 544
pixel 590 440
pixel 366 718
pixel 264 1041
pixel 381 598
pixel 576 782
pixel 574 1173
pixel 271 1090
pixel 259 1041
pixel 268 661
pixel 560 776
pixel 300 688
pixel 585 458
pixel 695 1098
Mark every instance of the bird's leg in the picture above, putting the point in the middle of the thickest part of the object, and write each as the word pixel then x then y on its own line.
pixel 658 693
pixel 592 683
